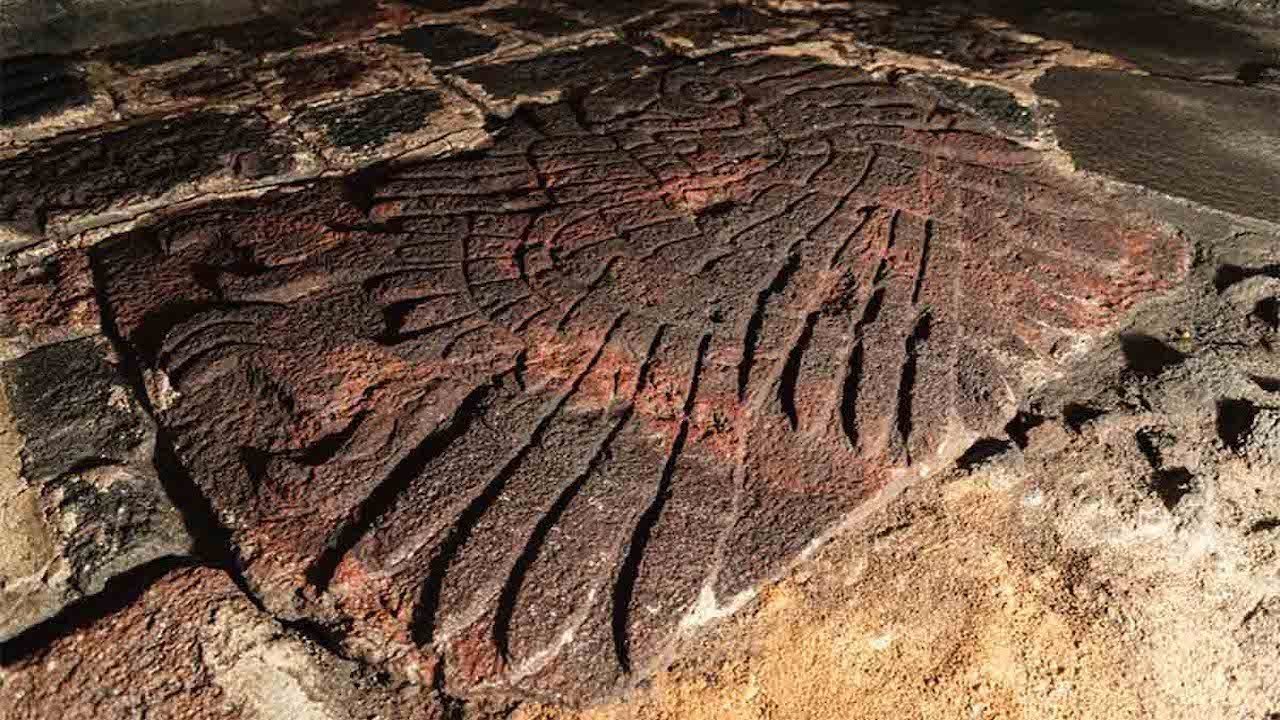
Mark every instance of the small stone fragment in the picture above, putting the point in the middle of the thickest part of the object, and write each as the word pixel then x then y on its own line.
pixel 78 487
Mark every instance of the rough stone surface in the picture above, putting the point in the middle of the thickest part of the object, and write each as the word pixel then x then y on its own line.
pixel 102 138
pixel 545 77
pixel 39 26
pixel 189 647
pixel 79 492
pixel 1172 136
pixel 1074 568
pixel 80 498
pixel 35 87
pixel 444 44
pixel 948 33
pixel 91 175
pixel 558 398
pixel 48 301
pixel 1163 38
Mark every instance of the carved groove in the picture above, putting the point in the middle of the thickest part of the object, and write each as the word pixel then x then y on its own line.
pixel 849 395
pixel 752 337
pixel 320 574
pixel 624 589
pixel 906 387
pixel 791 371
pixel 537 541
pixel 425 612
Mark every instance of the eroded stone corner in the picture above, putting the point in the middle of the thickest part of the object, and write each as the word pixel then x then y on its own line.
pixel 80 496
pixel 192 646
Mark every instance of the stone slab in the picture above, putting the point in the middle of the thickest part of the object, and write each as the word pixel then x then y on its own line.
pixel 542 408
pixel 81 501
pixel 1213 144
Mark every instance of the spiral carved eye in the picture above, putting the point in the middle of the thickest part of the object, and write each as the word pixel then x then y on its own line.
pixel 710 93
pixel 686 95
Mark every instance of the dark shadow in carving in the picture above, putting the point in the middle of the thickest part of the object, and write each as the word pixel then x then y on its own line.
pixel 1148 357
pixel 1234 421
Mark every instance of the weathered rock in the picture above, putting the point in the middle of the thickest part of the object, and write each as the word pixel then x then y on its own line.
pixel 547 20
pixel 1161 37
pixel 632 321
pixel 955 34
pixel 71 185
pixel 704 31
pixel 80 498
pixel 542 406
pixel 79 491
pixel 544 78
pixel 104 137
pixel 49 301
pixel 1127 528
pixel 1192 140
pixel 444 44
pixel 192 646
pixel 34 26
pixel 427 120
pixel 40 86
pixel 993 104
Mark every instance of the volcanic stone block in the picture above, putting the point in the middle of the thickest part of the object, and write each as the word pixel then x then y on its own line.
pixel 427 121
pixel 1159 37
pixel 445 5
pixel 38 26
pixel 371 122
pixel 1209 143
pixel 701 32
pixel 66 186
pixel 79 495
pixel 505 84
pixel 602 12
pixel 930 30
pixel 192 646
pixel 46 302
pixel 996 105
pixel 542 21
pixel 541 408
pixel 443 44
